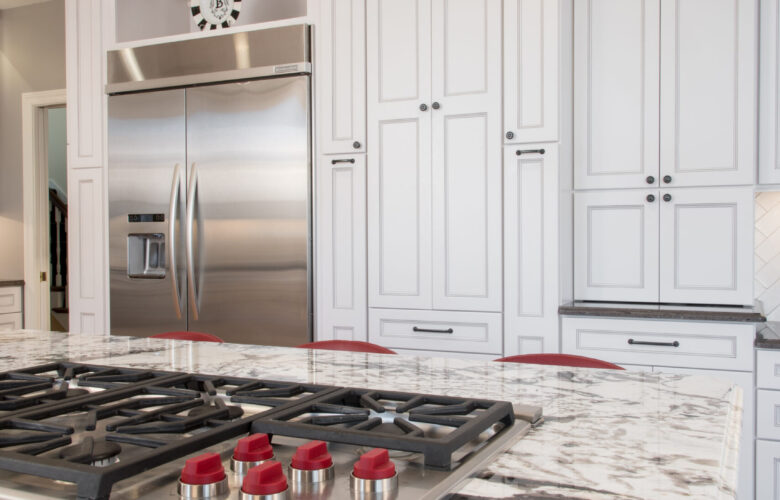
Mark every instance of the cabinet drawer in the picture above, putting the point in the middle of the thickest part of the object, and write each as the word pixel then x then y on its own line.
pixel 768 369
pixel 11 321
pixel 768 415
pixel 10 300
pixel 767 470
pixel 436 330
pixel 446 354
pixel 719 346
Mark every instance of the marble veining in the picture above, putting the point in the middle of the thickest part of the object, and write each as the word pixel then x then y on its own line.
pixel 607 434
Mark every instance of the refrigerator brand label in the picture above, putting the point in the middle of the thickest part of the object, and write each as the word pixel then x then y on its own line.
pixel 287 68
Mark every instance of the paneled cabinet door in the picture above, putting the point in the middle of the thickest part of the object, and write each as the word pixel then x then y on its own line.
pixel 767 470
pixel 531 249
pixel 616 58
pixel 341 248
pixel 769 108
pixel 341 76
pixel 616 246
pixel 530 71
pixel 399 161
pixel 708 92
pixel 706 246
pixel 466 154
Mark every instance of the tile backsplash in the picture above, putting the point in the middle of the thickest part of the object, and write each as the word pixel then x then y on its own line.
pixel 767 253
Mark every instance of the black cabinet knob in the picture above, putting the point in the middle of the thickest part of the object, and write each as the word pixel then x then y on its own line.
pixel 650 179
pixel 667 179
pixel 423 107
pixel 510 135
pixel 356 145
pixel 667 197
pixel 435 105
pixel 651 198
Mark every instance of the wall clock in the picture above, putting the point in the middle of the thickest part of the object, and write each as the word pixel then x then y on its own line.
pixel 215 14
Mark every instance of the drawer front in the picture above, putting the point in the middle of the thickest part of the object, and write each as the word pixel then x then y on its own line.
pixel 436 330
pixel 10 300
pixel 446 354
pixel 718 346
pixel 768 415
pixel 767 369
pixel 11 321
pixel 767 470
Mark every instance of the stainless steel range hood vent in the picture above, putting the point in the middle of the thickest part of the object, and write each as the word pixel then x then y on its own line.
pixel 238 56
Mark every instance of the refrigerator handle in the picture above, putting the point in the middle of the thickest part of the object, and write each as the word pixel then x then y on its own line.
pixel 172 211
pixel 188 236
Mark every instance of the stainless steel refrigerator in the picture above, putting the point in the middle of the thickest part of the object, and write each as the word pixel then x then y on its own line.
pixel 210 191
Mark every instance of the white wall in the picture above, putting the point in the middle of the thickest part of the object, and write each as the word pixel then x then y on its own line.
pixel 32 58
pixel 57 152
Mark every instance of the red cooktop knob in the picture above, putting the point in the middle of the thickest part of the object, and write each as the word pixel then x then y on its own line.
pixel 312 456
pixel 253 448
pixel 374 464
pixel 265 479
pixel 203 469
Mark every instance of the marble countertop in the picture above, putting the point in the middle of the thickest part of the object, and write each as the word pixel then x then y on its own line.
pixel 768 335
pixel 607 433
pixel 664 311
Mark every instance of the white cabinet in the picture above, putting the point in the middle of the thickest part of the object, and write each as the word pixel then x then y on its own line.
pixel 769 98
pixel 768 424
pixel 434 165
pixel 531 34
pixel 706 246
pixel 530 249
pixel 341 76
pixel 691 246
pixel 341 248
pixel 9 322
pixel 616 246
pixel 767 470
pixel 10 308
pixel 665 92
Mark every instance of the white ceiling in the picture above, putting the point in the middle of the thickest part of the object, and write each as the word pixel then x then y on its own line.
pixel 10 4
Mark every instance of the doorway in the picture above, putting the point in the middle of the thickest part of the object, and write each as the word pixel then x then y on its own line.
pixel 57 166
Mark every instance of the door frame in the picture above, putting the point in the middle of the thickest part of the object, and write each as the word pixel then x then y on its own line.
pixel 36 224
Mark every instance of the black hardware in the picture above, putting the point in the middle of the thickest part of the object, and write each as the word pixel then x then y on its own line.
pixel 430 330
pixel 650 198
pixel 356 145
pixel 664 344
pixel 529 151
pixel 667 179
pixel 342 160
pixel 510 135
pixel 667 197
pixel 650 179
pixel 423 107
pixel 436 105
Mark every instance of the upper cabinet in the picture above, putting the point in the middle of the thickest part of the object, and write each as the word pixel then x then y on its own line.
pixel 665 93
pixel 769 124
pixel 531 34
pixel 341 76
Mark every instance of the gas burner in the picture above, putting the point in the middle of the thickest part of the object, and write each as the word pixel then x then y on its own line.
pixel 233 412
pixel 98 453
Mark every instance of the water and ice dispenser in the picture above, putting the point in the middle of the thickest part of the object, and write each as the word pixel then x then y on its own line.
pixel 146 256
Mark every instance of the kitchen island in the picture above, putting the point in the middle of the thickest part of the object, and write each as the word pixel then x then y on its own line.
pixel 607 434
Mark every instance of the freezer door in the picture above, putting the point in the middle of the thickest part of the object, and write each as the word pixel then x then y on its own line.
pixel 146 177
pixel 248 210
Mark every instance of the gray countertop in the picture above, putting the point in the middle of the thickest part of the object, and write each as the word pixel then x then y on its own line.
pixel 768 335
pixel 664 311
pixel 7 283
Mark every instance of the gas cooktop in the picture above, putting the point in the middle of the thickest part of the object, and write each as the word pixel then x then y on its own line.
pixel 89 431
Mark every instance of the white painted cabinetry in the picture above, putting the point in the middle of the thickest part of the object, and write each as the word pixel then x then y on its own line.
pixel 768 424
pixel 341 248
pixel 10 308
pixel 341 76
pixel 531 68
pixel 767 470
pixel 530 249
pixel 769 98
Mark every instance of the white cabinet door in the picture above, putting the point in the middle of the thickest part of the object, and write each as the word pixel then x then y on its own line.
pixel 341 76
pixel 767 470
pixel 769 98
pixel 745 474
pixel 616 246
pixel 530 71
pixel 616 58
pixel 708 91
pixel 706 246
pixel 531 249
pixel 466 155
pixel 10 322
pixel 341 248
pixel 399 160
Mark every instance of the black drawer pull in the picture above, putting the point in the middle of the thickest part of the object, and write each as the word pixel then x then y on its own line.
pixel 431 330
pixel 343 160
pixel 664 344
pixel 529 151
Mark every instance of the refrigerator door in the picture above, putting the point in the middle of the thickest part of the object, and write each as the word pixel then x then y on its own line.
pixel 248 210
pixel 146 183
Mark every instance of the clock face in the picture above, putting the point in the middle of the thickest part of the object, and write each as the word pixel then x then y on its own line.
pixel 215 14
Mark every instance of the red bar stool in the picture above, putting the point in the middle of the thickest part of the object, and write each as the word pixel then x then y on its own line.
pixel 347 345
pixel 560 360
pixel 193 336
